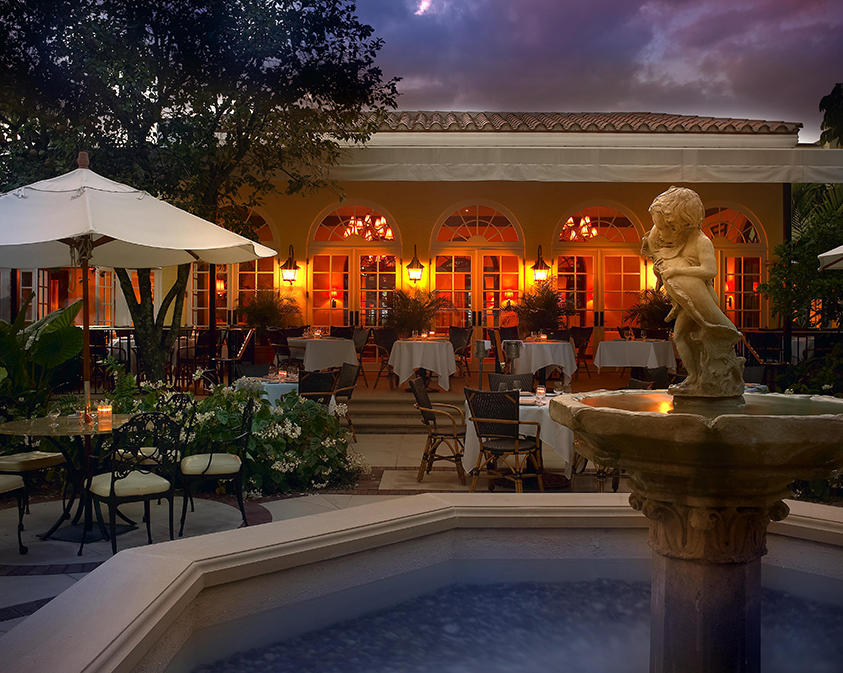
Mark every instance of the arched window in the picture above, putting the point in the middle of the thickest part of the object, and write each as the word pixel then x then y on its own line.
pixel 355 258
pixel 477 252
pixel 598 265
pixel 741 252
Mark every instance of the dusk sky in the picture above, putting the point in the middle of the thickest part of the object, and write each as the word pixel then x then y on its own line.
pixel 758 59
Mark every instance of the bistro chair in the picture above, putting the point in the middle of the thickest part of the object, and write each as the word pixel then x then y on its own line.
pixel 13 485
pixel 582 337
pixel 229 363
pixel 278 341
pixel 25 464
pixel 296 332
pixel 460 338
pixel 509 333
pixel 224 459
pixel 525 381
pixel 496 418
pixel 361 343
pixel 318 386
pixel 385 339
pixel 134 473
pixel 346 383
pixel 445 425
pixel 500 358
pixel 342 332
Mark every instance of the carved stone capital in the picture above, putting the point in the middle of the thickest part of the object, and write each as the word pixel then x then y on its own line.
pixel 711 534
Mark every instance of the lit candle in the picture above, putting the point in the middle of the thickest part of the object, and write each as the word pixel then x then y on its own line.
pixel 104 411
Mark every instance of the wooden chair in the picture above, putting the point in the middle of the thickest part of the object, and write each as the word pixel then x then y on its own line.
pixel 342 332
pixel 385 339
pixel 224 459
pixel 509 333
pixel 318 386
pixel 581 337
pixel 134 472
pixel 11 484
pixel 345 385
pixel 361 343
pixel 445 425
pixel 496 418
pixel 229 363
pixel 525 381
pixel 460 338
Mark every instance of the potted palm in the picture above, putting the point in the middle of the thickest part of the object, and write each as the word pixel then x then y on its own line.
pixel 543 309
pixel 415 311
pixel 268 309
pixel 649 311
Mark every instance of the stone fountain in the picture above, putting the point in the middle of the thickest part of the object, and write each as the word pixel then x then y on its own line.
pixel 708 466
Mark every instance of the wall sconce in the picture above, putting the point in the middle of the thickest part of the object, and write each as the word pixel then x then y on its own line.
pixel 541 269
pixel 334 295
pixel 415 268
pixel 220 286
pixel 289 269
pixel 509 295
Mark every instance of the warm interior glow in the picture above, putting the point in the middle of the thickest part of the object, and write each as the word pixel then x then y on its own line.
pixel 220 285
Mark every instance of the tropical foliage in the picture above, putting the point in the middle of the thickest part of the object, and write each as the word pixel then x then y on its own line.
pixel 269 309
pixel 543 309
pixel 415 311
pixel 650 310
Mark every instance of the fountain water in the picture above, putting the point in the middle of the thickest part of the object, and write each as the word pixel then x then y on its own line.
pixel 708 466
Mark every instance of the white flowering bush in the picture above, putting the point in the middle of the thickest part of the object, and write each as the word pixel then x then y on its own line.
pixel 297 445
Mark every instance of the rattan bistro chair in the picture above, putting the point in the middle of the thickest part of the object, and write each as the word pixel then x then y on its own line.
pixel 361 343
pixel 224 459
pixel 445 425
pixel 582 337
pixel 525 382
pixel 345 385
pixel 460 338
pixel 134 473
pixel 496 418
pixel 385 339
pixel 318 386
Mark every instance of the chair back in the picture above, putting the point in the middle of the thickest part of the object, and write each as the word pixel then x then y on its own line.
pixel 460 337
pixel 361 337
pixel 346 380
pixel 495 338
pixel 493 404
pixel 385 338
pixel 294 332
pixel 152 428
pixel 658 334
pixel 509 380
pixel 559 335
pixel 581 336
pixel 422 400
pixel 246 369
pixel 318 386
pixel 509 333
pixel 342 332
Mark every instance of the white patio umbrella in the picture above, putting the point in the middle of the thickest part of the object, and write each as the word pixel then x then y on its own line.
pixel 83 218
pixel 833 259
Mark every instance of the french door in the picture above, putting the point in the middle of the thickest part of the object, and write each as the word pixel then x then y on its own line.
pixel 479 283
pixel 352 288
pixel 602 284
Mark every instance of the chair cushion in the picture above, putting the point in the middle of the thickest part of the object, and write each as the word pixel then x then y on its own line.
pixel 29 461
pixel 134 484
pixel 221 463
pixel 503 445
pixel 148 451
pixel 10 482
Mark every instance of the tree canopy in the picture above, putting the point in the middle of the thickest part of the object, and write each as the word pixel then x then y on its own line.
pixel 832 108
pixel 208 104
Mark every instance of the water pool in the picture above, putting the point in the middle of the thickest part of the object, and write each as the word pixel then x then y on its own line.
pixel 581 627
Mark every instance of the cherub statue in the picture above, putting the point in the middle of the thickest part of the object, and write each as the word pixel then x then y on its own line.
pixel 685 264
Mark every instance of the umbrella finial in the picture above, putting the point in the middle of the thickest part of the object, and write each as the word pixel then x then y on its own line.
pixel 82 160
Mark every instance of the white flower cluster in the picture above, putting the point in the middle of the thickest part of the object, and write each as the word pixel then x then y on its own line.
pixel 198 373
pixel 249 383
pixel 330 443
pixel 203 416
pixel 827 386
pixel 253 495
pixel 340 410
pixel 287 463
pixel 789 391
pixel 290 429
pixel 356 461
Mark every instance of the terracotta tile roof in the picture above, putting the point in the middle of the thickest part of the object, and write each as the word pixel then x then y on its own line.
pixel 578 122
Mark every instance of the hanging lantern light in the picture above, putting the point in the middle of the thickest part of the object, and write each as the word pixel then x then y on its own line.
pixel 415 268
pixel 541 269
pixel 289 270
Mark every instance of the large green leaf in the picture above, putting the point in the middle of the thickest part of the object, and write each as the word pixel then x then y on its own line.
pixel 57 347
pixel 57 320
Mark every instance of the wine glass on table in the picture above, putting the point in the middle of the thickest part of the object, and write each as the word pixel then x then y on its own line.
pixel 541 392
pixel 53 414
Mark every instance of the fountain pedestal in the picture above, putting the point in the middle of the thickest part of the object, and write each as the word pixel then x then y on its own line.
pixel 709 483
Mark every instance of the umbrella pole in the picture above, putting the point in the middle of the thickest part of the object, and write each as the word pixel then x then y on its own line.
pixel 86 339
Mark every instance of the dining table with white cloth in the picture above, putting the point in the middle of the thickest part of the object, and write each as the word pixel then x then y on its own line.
pixel 322 353
pixel 553 435
pixel 274 388
pixel 536 355
pixel 435 355
pixel 644 353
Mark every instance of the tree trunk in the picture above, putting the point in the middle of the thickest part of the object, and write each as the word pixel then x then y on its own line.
pixel 153 349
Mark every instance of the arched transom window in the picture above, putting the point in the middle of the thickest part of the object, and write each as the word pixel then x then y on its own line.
pixel 728 223
pixel 595 221
pixel 482 221
pixel 349 221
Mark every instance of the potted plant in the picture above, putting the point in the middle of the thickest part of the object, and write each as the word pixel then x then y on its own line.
pixel 268 309
pixel 650 310
pixel 416 311
pixel 543 309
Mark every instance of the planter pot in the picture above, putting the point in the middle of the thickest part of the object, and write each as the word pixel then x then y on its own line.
pixel 264 353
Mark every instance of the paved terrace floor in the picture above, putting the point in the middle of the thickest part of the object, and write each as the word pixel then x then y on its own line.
pixel 51 566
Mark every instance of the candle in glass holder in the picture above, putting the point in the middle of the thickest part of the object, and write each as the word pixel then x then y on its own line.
pixel 543 336
pixel 104 411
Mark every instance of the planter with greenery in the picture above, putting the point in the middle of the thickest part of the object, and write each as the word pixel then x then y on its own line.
pixel 650 310
pixel 269 309
pixel 543 309
pixel 415 311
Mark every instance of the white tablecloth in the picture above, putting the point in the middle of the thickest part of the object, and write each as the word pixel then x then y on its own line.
pixel 648 354
pixel 537 355
pixel 553 435
pixel 323 353
pixel 274 390
pixel 435 356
